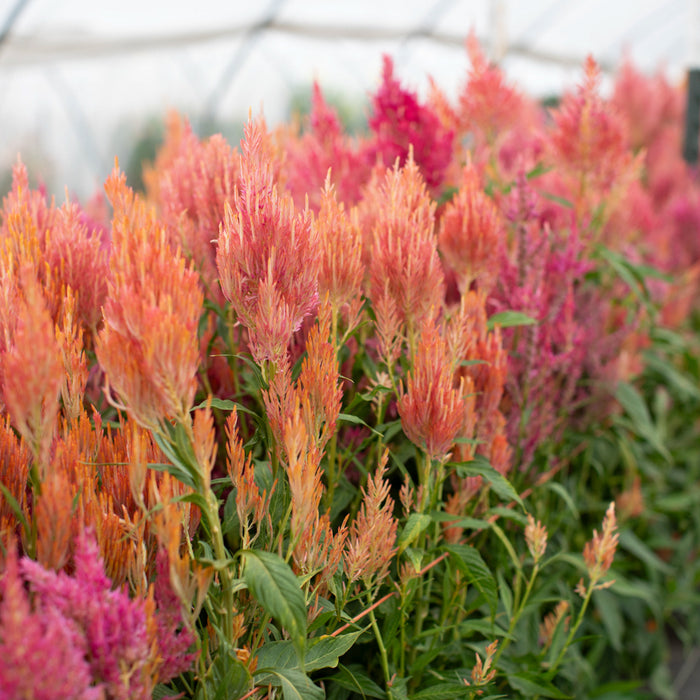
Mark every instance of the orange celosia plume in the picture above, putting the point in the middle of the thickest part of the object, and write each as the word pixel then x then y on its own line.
pixel 432 410
pixel 148 346
pixel 471 234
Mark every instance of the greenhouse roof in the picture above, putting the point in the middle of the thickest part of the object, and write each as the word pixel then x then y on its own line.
pixel 80 79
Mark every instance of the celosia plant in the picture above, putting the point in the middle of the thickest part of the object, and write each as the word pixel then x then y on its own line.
pixel 264 431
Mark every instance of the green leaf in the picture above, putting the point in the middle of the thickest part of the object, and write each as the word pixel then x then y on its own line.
pixel 355 679
pixel 564 495
pixel 323 653
pixel 197 498
pixel 466 522
pixel 177 472
pixel 178 449
pixel 639 589
pixel 506 594
pixel 633 275
pixel 481 467
pixel 326 652
pixel 162 691
pixel 533 684
pixel 226 678
pixel 636 408
pixel 274 585
pixel 278 655
pixel 608 606
pixel 415 556
pixel 508 319
pixel 224 405
pixel 630 542
pixel 559 200
pixel 684 501
pixel 441 690
pixel 470 563
pixel 295 685
pixel 15 507
pixel 618 690
pixel 684 387
pixel 539 169
pixel 416 523
pixel 350 418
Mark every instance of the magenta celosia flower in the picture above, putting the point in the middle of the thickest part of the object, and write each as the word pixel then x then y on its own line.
pixel 174 638
pixel 542 277
pixel 78 638
pixel 43 653
pixel 114 628
pixel 401 121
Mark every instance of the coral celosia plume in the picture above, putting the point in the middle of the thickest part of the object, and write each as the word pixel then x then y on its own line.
pixel 268 255
pixel 148 346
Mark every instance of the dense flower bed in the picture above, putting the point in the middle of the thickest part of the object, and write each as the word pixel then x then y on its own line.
pixel 311 416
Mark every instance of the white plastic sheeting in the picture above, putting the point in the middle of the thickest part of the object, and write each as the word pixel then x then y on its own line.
pixel 78 79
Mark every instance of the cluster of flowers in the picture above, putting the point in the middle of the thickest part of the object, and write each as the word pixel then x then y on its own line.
pixel 382 259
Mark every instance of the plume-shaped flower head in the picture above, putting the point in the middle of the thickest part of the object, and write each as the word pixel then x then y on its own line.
pixel 268 256
pixel 404 262
pixel 432 410
pixel 76 637
pixel 323 146
pixel 400 122
pixel 471 234
pixel 148 346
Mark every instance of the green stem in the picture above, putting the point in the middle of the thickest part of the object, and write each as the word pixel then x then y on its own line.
pixel 573 630
pixel 225 575
pixel 211 514
pixel 382 649
pixel 516 616
pixel 402 627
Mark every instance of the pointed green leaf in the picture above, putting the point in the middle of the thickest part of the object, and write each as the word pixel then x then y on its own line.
pixel 440 691
pixel 177 472
pixel 559 200
pixel 224 405
pixel 15 507
pixel 636 408
pixel 630 542
pixel 326 652
pixel 507 319
pixel 274 585
pixel 356 679
pixel 505 594
pixel 350 418
pixel 481 467
pixel 470 563
pixel 226 678
pixel 533 684
pixel 416 523
pixel 295 684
